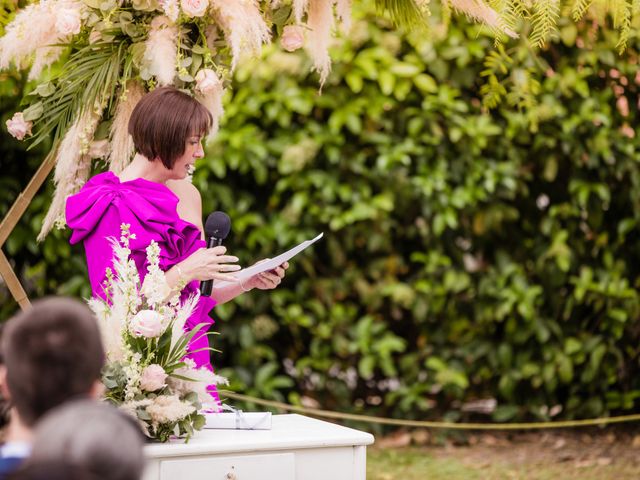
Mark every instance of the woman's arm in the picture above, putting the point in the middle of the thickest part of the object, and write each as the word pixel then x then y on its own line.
pixel 190 209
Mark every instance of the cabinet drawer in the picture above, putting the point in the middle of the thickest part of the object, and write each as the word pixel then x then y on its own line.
pixel 279 466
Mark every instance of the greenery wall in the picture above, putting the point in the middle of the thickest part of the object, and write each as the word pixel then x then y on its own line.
pixel 468 255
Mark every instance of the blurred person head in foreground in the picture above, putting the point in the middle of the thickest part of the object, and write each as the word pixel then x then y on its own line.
pixel 52 353
pixel 92 436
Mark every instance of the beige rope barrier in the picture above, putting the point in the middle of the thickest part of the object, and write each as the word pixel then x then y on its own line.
pixel 316 412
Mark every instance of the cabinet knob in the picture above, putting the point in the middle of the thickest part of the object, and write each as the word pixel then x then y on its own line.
pixel 232 475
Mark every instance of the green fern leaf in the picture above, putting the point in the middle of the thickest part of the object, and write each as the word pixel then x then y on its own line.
pixel 622 20
pixel 405 13
pixel 579 8
pixel 544 21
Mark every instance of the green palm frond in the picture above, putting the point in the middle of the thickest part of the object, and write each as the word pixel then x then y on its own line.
pixel 579 8
pixel 544 21
pixel 88 80
pixel 405 13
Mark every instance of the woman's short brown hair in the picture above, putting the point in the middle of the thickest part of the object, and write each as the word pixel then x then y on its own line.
pixel 163 120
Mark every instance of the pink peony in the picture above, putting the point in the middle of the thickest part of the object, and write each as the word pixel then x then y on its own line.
pixel 153 378
pixel 194 8
pixel 292 38
pixel 207 81
pixel 147 323
pixel 18 127
pixel 68 21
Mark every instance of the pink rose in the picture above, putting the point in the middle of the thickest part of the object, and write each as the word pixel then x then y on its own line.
pixel 292 38
pixel 147 323
pixel 194 8
pixel 18 127
pixel 68 21
pixel 207 81
pixel 153 378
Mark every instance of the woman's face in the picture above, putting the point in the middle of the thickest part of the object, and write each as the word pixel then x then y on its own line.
pixel 185 163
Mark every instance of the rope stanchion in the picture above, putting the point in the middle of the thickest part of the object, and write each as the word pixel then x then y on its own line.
pixel 316 412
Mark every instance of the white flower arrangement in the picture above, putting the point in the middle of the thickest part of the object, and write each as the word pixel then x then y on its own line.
pixel 146 373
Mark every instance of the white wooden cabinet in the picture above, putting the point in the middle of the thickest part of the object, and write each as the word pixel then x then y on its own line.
pixel 296 448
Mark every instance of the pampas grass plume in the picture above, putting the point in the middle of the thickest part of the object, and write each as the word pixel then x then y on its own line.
pixel 161 50
pixel 320 23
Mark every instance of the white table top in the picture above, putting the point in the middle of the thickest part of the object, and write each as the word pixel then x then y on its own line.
pixel 288 432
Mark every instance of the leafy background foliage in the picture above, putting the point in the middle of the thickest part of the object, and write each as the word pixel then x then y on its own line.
pixel 468 254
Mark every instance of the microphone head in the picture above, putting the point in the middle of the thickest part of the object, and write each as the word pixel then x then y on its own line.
pixel 218 225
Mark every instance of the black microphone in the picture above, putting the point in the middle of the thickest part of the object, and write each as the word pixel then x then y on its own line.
pixel 216 228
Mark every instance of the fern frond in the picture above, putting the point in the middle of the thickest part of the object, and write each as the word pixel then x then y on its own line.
pixel 446 12
pixel 544 21
pixel 405 13
pixel 579 8
pixel 524 91
pixel 492 92
pixel 513 13
pixel 622 21
pixel 496 62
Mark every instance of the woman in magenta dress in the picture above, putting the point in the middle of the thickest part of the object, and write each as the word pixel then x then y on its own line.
pixel 153 197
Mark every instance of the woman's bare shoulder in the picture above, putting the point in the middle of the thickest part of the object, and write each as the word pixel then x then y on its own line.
pixel 185 190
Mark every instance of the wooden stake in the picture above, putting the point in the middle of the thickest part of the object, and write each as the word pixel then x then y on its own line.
pixel 13 283
pixel 25 198
pixel 10 221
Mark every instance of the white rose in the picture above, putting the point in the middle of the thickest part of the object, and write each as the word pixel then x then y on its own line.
pixel 146 323
pixel 68 21
pixel 207 81
pixel 153 378
pixel 99 148
pixel 194 8
pixel 292 38
pixel 18 127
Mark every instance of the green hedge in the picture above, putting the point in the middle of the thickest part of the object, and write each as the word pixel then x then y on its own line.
pixel 467 254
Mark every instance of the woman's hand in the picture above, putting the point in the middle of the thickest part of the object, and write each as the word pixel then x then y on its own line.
pixel 210 264
pixel 266 280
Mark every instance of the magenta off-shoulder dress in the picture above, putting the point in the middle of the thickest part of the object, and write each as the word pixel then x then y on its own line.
pixel 96 212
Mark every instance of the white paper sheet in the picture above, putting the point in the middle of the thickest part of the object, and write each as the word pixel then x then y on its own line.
pixel 270 264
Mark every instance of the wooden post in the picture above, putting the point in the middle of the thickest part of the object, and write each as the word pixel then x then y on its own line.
pixel 10 221
pixel 13 283
pixel 24 199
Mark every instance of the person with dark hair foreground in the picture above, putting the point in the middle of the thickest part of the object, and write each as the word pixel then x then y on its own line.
pixel 95 438
pixel 52 353
pixel 152 196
